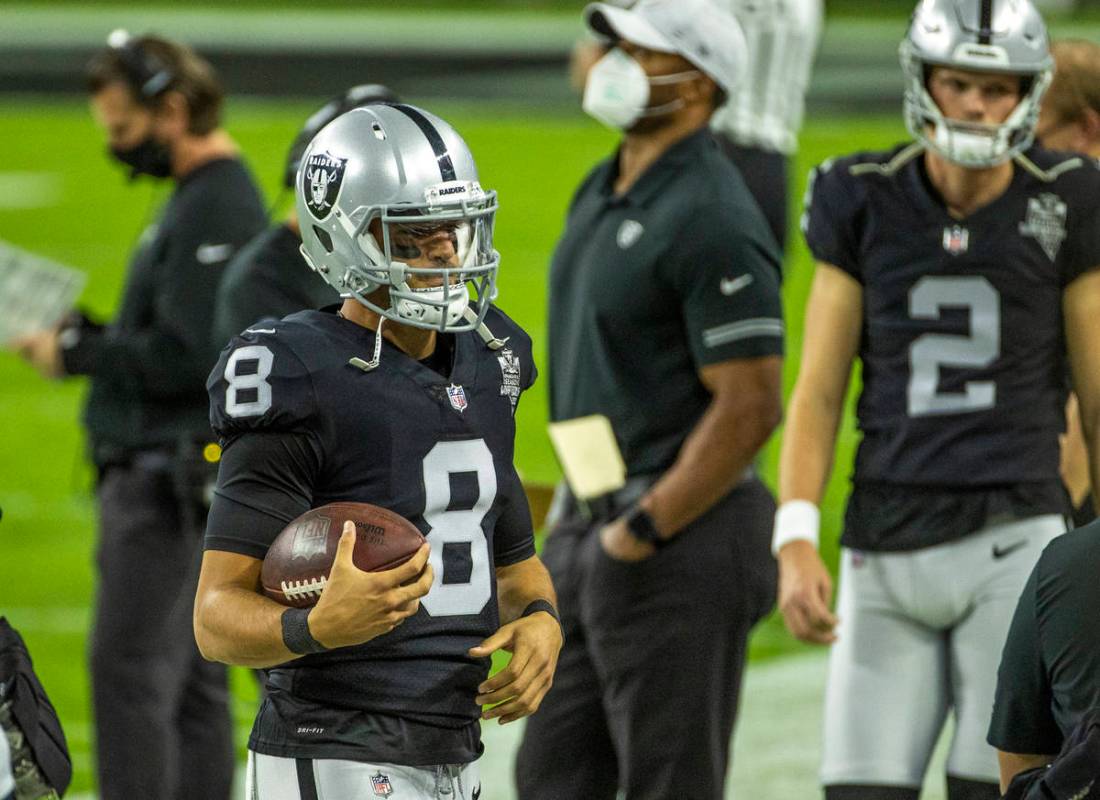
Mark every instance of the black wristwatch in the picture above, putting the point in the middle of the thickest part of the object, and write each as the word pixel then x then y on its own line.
pixel 642 527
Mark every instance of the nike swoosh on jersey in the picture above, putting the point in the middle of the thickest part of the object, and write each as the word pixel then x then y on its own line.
pixel 213 253
pixel 729 286
pixel 1001 552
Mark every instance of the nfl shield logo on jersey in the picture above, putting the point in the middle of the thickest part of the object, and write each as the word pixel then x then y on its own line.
pixel 457 396
pixel 381 785
pixel 956 239
pixel 322 175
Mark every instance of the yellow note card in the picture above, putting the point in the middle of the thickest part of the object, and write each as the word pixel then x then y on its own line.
pixel 589 455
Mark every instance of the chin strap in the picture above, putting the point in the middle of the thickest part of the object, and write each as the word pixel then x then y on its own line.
pixel 890 168
pixel 491 341
pixel 367 366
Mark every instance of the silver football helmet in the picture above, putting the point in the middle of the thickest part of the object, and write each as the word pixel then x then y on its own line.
pixel 373 183
pixel 1003 36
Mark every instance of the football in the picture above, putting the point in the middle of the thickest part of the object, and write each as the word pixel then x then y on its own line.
pixel 297 565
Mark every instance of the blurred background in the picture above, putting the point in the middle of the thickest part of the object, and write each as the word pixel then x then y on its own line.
pixel 496 69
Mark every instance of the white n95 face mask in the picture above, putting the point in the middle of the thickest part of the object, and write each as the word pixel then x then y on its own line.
pixel 616 92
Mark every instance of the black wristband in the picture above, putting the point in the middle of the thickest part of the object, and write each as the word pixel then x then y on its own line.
pixel 536 606
pixel 296 635
pixel 642 527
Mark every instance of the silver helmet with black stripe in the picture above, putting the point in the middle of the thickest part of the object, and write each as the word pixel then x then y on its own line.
pixel 388 196
pixel 998 36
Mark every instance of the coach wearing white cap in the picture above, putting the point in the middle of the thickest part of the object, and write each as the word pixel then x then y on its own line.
pixel 665 318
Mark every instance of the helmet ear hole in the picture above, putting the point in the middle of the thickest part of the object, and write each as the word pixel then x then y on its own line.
pixel 323 238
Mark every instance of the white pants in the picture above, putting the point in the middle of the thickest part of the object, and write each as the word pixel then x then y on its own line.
pixel 274 778
pixel 921 633
pixel 7 781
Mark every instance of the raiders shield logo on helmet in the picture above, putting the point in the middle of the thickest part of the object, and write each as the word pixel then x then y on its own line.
pixel 322 176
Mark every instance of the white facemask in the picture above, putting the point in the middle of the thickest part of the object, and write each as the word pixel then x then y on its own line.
pixel 971 147
pixel 617 91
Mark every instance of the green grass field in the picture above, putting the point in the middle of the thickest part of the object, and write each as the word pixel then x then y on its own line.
pixel 60 197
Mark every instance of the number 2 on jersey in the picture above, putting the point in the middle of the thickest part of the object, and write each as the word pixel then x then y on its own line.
pixel 459 528
pixel 931 351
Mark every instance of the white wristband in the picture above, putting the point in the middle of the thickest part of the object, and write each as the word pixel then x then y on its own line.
pixel 795 520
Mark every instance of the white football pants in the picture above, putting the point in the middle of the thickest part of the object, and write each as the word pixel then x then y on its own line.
pixel 274 778
pixel 921 633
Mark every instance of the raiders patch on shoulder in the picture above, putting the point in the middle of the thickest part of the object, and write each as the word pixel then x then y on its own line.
pixel 322 177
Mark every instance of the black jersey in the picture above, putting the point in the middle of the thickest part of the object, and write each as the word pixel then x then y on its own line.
pixel 148 365
pixel 963 352
pixel 303 426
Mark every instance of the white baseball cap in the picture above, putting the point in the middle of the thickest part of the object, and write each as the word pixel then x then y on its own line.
pixel 705 34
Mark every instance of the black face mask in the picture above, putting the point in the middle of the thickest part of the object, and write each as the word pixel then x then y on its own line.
pixel 150 157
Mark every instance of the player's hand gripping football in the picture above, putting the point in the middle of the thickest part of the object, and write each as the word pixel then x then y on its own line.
pixel 805 590
pixel 357 606
pixel 517 690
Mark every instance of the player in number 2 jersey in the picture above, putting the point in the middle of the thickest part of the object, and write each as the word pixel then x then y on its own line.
pixel 960 269
pixel 404 398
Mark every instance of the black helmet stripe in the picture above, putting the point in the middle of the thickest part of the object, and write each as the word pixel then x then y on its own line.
pixel 985 22
pixel 446 167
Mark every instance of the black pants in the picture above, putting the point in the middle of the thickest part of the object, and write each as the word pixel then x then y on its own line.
pixel 648 682
pixel 162 722
pixel 765 175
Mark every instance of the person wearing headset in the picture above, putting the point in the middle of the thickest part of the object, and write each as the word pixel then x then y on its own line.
pixel 162 722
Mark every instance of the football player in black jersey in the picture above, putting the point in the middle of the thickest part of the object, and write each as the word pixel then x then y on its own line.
pixel 405 397
pixel 1069 120
pixel 960 270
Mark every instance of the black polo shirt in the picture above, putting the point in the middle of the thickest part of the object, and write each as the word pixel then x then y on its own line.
pixel 148 368
pixel 1050 669
pixel 646 288
pixel 269 279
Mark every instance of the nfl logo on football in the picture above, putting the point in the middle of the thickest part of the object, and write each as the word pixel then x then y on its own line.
pixel 381 785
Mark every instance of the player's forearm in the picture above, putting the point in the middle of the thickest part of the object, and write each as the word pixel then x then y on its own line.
pixel 1074 464
pixel 1081 306
pixel 1089 413
pixel 1012 764
pixel 809 442
pixel 239 627
pixel 519 585
pixel 713 458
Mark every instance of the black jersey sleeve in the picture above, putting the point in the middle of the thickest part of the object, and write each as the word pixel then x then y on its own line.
pixel 514 537
pixel 263 409
pixel 265 480
pixel 830 216
pixel 260 384
pixel 517 344
pixel 1023 720
pixel 727 281
pixel 1080 251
